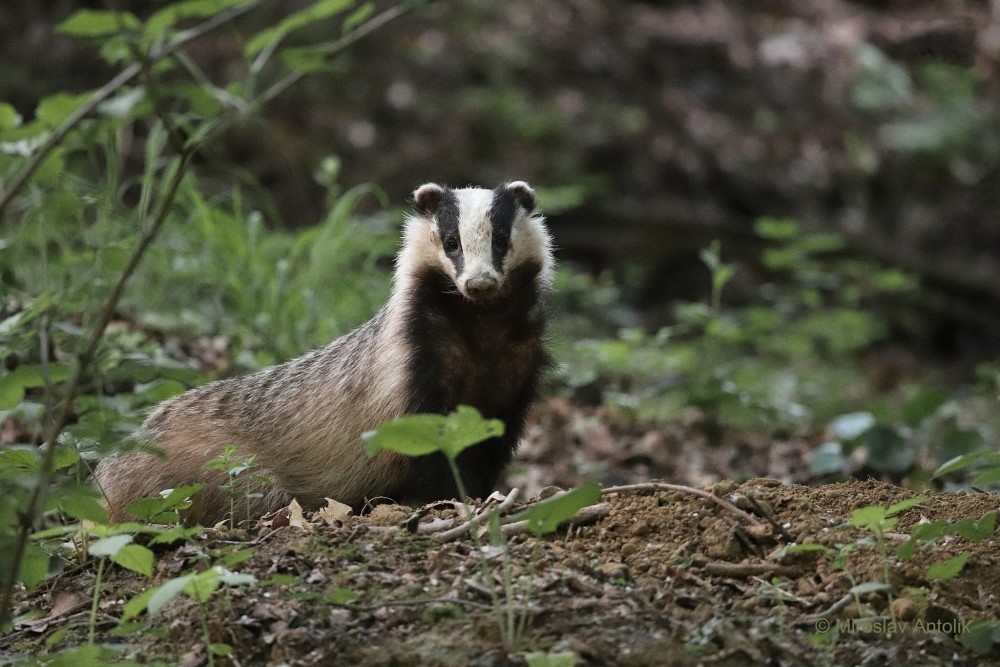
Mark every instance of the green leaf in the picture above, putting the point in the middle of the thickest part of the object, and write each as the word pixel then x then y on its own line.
pixel 981 635
pixel 137 605
pixel 466 427
pixel 922 405
pixel 776 230
pixel 161 510
pixel 358 16
pixel 418 435
pixel 176 533
pixel 29 376
pixel 342 596
pixel 887 450
pixel 319 10
pixel 84 508
pixel 109 546
pixel 947 569
pixel 976 531
pixel 136 558
pixel 546 516
pixel 97 23
pixel 904 505
pixel 201 586
pixel 157 24
pixel 987 477
pixel 9 118
pixel 19 458
pixel 166 592
pixel 873 517
pixel 34 566
pixel 965 461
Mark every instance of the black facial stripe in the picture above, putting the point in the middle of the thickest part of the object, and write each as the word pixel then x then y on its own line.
pixel 503 211
pixel 447 220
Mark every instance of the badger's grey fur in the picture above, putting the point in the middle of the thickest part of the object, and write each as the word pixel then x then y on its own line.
pixel 464 325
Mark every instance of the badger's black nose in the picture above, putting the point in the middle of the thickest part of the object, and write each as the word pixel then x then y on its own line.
pixel 482 286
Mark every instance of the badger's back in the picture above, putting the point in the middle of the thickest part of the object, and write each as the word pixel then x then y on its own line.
pixel 464 325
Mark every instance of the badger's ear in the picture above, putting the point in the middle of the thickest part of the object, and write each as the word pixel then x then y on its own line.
pixel 523 194
pixel 427 198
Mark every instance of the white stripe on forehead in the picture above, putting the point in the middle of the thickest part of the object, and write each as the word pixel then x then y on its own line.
pixel 476 228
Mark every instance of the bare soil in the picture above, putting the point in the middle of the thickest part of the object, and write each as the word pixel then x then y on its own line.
pixel 663 578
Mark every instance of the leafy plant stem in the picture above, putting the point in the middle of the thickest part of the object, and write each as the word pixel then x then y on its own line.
pixel 111 87
pixel 96 596
pixel 30 516
pixel 483 564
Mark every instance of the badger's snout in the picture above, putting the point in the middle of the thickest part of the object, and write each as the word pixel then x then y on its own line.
pixel 481 286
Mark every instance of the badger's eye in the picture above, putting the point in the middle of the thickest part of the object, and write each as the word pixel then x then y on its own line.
pixel 451 244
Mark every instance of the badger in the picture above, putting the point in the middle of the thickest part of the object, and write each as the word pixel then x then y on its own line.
pixel 464 325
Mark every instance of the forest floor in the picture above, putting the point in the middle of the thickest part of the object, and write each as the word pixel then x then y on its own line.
pixel 658 578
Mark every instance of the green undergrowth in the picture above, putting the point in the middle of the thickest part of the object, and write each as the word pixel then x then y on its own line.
pixel 793 357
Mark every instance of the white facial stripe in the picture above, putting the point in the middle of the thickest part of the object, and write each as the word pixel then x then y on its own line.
pixel 476 231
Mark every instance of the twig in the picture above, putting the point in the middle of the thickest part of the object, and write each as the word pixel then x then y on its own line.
pixel 663 486
pixel 836 606
pixel 744 570
pixel 462 529
pixel 410 603
pixel 585 516
pixel 111 87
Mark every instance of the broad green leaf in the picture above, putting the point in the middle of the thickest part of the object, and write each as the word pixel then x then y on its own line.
pixel 948 568
pixel 160 510
pixel 977 530
pixel 136 558
pixel 827 459
pixel 157 24
pixel 417 435
pixel 34 566
pixel 922 405
pixel 903 505
pixel 18 458
pixel 9 118
pixel 851 425
pixel 97 23
pixel 236 578
pixel 342 596
pixel 84 508
pixel 987 477
pixel 981 636
pixel 358 16
pixel 166 592
pixel 872 516
pixel 546 516
pixel 109 546
pixel 29 376
pixel 775 229
pixel 137 605
pixel 319 10
pixel 965 461
pixel 412 435
pixel 466 427
pixel 175 534
pixel 201 586
pixel 888 450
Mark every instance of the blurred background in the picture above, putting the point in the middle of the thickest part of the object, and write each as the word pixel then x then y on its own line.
pixel 777 222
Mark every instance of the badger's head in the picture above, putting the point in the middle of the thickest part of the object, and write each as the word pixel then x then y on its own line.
pixel 479 238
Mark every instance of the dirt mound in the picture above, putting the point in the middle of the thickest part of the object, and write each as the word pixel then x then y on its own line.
pixel 663 578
